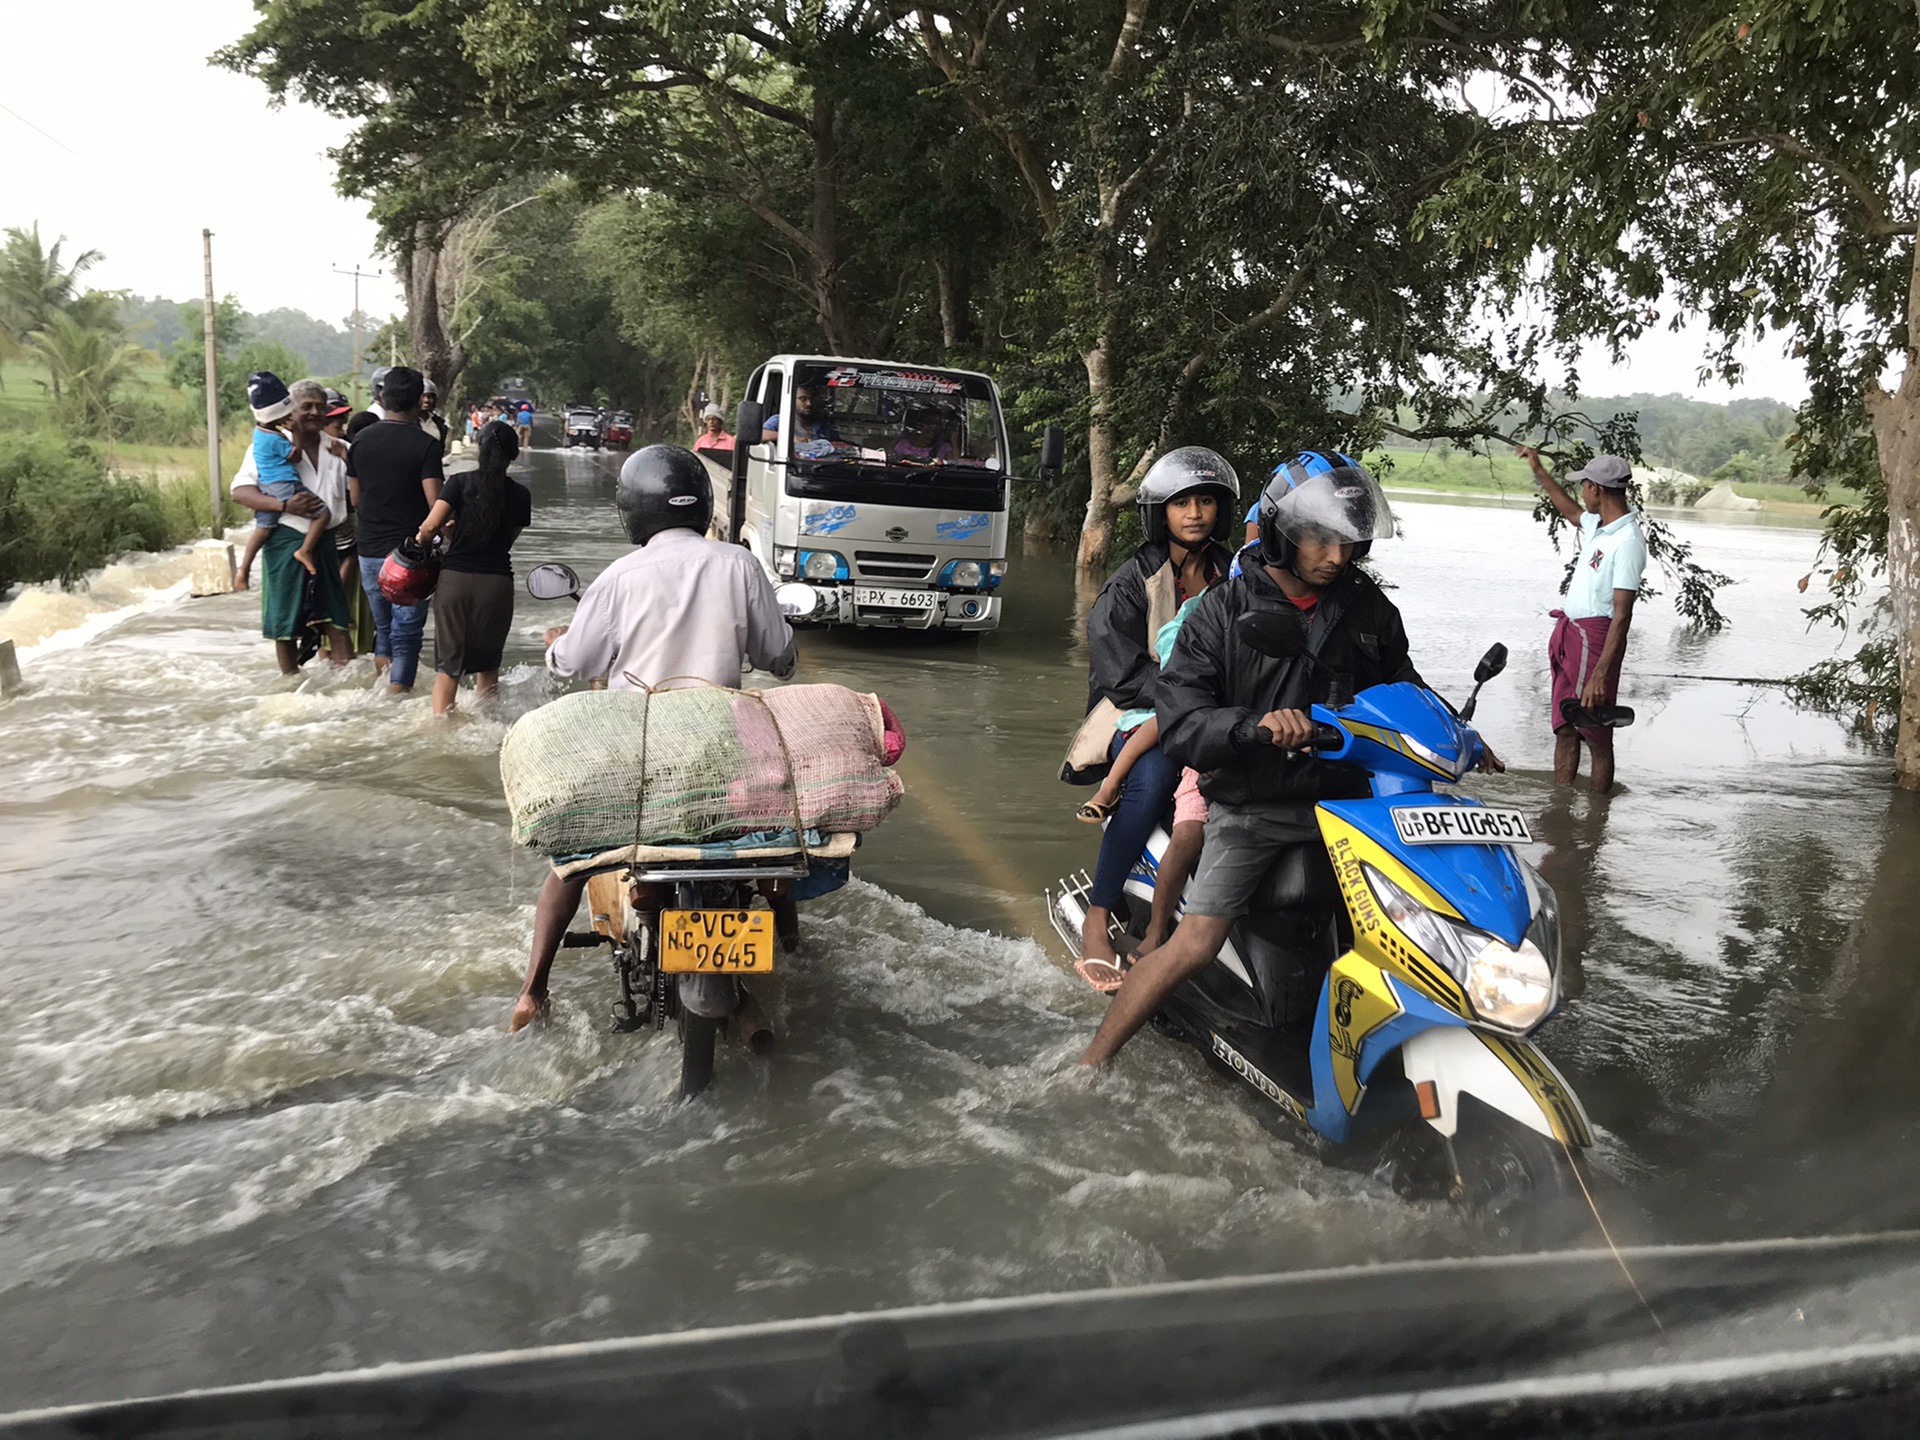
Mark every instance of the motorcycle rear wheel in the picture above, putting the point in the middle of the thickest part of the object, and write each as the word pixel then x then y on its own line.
pixel 697 1036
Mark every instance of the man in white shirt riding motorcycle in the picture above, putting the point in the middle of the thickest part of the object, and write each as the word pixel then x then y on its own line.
pixel 679 607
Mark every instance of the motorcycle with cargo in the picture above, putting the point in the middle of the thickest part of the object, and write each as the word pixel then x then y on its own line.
pixel 700 817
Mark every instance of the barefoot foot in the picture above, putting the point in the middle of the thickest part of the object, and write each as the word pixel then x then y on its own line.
pixel 526 1010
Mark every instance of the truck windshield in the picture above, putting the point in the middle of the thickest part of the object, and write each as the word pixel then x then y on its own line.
pixel 897 417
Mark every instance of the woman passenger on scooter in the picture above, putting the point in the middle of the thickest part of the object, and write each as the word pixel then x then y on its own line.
pixel 1187 503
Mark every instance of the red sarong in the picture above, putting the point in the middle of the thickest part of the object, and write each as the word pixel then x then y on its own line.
pixel 1571 655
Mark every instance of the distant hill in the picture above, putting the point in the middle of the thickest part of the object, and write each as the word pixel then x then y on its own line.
pixel 157 323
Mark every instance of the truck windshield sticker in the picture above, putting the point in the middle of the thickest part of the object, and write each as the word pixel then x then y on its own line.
pixel 919 382
pixel 960 527
pixel 827 519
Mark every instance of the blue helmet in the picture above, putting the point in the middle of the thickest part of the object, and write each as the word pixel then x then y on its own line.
pixel 1326 492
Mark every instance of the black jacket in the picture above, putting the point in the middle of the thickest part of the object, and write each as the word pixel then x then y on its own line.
pixel 1212 683
pixel 1136 601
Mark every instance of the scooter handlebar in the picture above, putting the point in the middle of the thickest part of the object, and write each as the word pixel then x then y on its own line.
pixel 1324 737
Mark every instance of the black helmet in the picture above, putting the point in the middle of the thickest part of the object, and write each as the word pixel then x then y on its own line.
pixel 1321 491
pixel 663 487
pixel 1181 472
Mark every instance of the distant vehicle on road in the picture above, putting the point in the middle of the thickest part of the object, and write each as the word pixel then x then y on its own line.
pixel 583 426
pixel 619 429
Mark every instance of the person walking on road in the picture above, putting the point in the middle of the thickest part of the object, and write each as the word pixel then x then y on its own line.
pixel 394 472
pixel 1590 629
pixel 473 603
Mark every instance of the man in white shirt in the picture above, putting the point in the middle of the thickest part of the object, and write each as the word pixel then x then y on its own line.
pixel 680 608
pixel 1590 630
pixel 322 465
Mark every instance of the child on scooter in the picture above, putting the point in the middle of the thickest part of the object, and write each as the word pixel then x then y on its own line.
pixel 273 454
pixel 1189 822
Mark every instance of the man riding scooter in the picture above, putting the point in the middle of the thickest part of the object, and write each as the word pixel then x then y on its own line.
pixel 1240 717
pixel 679 608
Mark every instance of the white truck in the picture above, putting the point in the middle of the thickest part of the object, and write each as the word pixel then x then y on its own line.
pixel 876 492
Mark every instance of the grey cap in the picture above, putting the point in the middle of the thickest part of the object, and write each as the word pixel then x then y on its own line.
pixel 1609 472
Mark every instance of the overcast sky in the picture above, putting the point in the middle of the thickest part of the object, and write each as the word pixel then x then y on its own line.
pixel 116 133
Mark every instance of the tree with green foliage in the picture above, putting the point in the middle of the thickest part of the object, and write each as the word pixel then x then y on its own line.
pixel 36 285
pixel 87 366
pixel 1762 167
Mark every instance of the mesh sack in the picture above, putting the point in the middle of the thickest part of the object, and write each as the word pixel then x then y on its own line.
pixel 715 766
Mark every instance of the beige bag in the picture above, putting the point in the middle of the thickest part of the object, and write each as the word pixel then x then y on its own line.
pixel 1088 753
pixel 1087 759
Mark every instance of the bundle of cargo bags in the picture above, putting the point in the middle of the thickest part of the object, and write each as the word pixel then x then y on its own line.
pixel 697 765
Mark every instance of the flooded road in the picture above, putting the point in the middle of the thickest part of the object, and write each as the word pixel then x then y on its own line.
pixel 259 1115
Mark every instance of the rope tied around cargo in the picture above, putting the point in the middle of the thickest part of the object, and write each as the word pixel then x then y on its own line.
pixel 646 731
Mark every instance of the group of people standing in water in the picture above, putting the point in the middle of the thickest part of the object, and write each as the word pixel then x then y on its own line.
pixel 380 479
pixel 1187 722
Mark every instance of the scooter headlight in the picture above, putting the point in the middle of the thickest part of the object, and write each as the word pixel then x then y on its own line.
pixel 1510 988
pixel 1506 987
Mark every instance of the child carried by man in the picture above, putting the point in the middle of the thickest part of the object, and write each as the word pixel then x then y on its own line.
pixel 279 474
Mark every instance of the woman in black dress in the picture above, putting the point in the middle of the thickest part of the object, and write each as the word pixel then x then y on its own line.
pixel 473 603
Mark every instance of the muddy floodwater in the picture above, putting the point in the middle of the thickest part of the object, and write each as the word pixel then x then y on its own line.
pixel 259 939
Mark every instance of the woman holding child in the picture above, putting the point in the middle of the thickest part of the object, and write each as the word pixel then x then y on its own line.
pixel 1187 503
pixel 310 471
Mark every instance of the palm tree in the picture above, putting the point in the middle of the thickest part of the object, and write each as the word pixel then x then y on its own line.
pixel 91 363
pixel 35 286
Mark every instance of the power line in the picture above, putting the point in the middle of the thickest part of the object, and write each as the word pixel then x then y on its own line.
pixel 38 131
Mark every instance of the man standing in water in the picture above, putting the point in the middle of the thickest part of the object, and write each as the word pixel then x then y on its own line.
pixel 1590 630
pixel 680 606
pixel 394 469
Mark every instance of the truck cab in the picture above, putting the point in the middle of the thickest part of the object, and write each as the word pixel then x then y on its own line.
pixel 876 492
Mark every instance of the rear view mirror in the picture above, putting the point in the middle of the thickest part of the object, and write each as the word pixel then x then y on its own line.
pixel 1280 633
pixel 1053 453
pixel 1491 664
pixel 553 582
pixel 748 421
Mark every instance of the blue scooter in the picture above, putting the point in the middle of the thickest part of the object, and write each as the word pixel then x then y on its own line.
pixel 1386 1003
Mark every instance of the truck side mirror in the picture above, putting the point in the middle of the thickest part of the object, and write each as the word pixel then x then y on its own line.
pixel 748 421
pixel 1053 453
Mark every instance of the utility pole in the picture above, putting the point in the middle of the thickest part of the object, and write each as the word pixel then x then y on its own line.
pixel 358 275
pixel 217 500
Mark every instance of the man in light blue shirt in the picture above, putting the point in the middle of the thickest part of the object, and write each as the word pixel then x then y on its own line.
pixel 1590 630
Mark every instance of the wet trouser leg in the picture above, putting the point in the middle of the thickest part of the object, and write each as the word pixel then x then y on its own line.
pixel 1144 797
pixel 381 607
pixel 409 626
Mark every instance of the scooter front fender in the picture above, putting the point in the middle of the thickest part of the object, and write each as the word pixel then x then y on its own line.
pixel 1509 1075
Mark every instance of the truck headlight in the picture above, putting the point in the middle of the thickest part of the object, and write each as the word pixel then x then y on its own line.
pixel 963 574
pixel 822 565
pixel 1508 987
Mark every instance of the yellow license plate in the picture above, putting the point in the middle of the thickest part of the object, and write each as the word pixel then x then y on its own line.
pixel 729 941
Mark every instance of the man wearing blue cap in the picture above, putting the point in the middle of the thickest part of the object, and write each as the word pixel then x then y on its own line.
pixel 1590 630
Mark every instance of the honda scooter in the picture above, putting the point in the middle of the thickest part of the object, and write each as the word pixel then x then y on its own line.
pixel 1387 1005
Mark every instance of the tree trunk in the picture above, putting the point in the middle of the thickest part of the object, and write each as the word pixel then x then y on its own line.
pixel 1896 426
pixel 824 253
pixel 1096 530
pixel 956 321
pixel 430 351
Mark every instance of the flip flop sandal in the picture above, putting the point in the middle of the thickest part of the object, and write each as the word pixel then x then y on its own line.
pixel 1093 813
pixel 1600 717
pixel 1103 975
